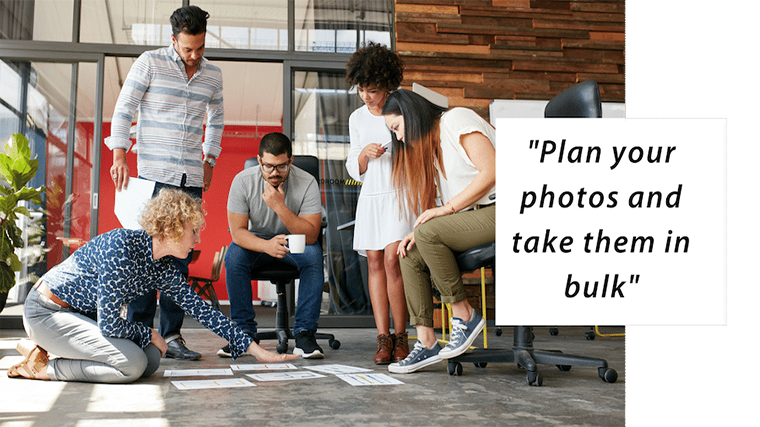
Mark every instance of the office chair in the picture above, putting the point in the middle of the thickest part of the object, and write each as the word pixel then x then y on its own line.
pixel 283 276
pixel 580 100
pixel 205 286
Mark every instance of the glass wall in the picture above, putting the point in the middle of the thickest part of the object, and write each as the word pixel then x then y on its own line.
pixel 132 22
pixel 255 24
pixel 321 106
pixel 10 100
pixel 251 24
pixel 58 121
pixel 341 26
pixel 335 26
pixel 53 20
pixel 51 105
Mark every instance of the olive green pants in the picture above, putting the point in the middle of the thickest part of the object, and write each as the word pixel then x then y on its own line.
pixel 434 257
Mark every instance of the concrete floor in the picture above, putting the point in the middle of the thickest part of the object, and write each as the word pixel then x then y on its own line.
pixel 495 395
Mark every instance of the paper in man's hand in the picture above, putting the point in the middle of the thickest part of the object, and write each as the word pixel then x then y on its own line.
pixel 129 202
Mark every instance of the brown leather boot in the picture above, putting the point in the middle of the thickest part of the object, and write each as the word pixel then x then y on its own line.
pixel 401 347
pixel 384 350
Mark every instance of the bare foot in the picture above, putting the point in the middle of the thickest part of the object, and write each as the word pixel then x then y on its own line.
pixel 33 367
pixel 267 356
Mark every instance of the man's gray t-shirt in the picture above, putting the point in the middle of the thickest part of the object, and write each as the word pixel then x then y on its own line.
pixel 302 197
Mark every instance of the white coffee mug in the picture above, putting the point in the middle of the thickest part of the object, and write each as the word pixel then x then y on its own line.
pixel 296 243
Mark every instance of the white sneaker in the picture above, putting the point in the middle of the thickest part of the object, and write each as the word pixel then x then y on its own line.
pixel 420 357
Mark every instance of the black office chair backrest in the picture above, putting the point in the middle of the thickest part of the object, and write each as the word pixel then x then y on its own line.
pixel 580 100
pixel 308 163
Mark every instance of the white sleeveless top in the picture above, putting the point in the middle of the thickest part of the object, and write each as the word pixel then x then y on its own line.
pixel 460 170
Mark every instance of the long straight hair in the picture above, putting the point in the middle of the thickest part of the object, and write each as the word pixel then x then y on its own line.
pixel 414 160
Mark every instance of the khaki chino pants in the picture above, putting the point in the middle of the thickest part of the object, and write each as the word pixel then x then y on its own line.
pixel 434 257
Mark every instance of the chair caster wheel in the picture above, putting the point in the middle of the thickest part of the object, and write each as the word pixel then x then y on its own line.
pixel 334 344
pixel 590 335
pixel 535 378
pixel 554 331
pixel 608 375
pixel 564 368
pixel 454 368
pixel 497 332
pixel 480 364
pixel 282 348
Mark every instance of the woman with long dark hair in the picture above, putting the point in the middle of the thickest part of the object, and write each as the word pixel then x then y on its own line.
pixel 444 164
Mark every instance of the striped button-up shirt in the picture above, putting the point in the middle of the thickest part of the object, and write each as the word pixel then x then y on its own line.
pixel 171 113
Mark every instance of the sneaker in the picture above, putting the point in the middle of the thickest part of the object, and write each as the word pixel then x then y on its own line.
pixel 176 350
pixel 463 334
pixel 225 351
pixel 417 359
pixel 307 347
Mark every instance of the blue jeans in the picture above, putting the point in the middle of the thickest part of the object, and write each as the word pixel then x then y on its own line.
pixel 171 316
pixel 239 263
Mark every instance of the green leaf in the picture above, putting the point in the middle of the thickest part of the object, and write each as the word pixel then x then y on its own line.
pixel 22 210
pixel 7 204
pixel 33 194
pixel 29 170
pixel 14 262
pixel 6 166
pixel 18 146
pixel 7 277
pixel 22 172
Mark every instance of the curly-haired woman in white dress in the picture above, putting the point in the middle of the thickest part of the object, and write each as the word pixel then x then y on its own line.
pixel 375 71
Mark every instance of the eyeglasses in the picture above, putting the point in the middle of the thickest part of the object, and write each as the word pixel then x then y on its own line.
pixel 280 168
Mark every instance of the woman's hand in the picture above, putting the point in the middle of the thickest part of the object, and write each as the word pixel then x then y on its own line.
pixel 159 341
pixel 406 244
pixel 429 214
pixel 267 356
pixel 373 151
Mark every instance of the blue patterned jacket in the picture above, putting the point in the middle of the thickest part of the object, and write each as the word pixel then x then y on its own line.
pixel 117 267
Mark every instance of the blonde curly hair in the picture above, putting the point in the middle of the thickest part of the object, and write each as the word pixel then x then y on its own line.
pixel 166 215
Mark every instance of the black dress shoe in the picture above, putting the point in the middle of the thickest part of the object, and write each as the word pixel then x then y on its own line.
pixel 177 350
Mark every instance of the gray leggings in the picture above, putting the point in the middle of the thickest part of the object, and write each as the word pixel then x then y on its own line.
pixel 83 353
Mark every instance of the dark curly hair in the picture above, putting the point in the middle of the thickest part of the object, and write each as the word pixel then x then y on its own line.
pixel 375 64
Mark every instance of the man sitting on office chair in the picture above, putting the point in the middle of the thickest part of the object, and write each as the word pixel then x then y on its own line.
pixel 265 204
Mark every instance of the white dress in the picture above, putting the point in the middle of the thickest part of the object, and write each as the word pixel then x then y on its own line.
pixel 377 212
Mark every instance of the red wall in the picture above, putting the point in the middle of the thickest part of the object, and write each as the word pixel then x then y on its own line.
pixel 239 143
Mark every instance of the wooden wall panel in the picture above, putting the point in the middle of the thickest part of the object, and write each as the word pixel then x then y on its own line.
pixel 474 51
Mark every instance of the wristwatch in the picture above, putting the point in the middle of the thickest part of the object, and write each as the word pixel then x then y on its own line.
pixel 210 160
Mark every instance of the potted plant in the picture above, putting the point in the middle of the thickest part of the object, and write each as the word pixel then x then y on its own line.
pixel 17 168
